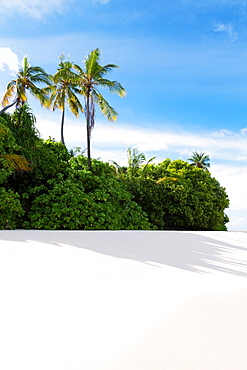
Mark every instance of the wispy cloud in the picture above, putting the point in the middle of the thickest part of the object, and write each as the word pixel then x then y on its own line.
pixel 8 60
pixel 228 30
pixel 101 1
pixel 33 8
pixel 222 145
pixel 40 8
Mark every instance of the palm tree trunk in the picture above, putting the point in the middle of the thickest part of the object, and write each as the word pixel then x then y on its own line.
pixel 62 125
pixel 7 107
pixel 88 134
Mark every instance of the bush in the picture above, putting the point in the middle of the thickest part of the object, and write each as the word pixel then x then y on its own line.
pixel 10 209
pixel 183 197
pixel 84 201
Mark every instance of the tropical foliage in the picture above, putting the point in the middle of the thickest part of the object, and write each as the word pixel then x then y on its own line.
pixel 27 79
pixel 10 206
pixel 177 196
pixel 84 201
pixel 9 160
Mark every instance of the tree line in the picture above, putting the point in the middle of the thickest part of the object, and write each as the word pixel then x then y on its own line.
pixel 45 186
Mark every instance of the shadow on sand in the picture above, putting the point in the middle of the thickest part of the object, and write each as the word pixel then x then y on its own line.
pixel 184 250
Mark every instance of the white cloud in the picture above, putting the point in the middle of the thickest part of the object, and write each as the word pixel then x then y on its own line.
pixel 9 60
pixel 244 131
pixel 228 30
pixel 221 146
pixel 33 8
pixel 39 8
pixel 221 133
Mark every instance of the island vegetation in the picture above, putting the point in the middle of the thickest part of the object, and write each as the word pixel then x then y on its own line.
pixel 43 185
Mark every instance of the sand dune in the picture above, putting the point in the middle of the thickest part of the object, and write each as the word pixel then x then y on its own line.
pixel 123 300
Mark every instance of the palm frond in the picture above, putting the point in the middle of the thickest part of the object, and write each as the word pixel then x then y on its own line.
pixel 25 65
pixel 91 62
pixel 105 70
pixel 16 162
pixel 74 104
pixel 3 130
pixel 146 166
pixel 109 112
pixel 114 86
pixel 11 83
pixel 8 95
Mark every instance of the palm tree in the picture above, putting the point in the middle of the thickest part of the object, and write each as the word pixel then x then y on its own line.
pixel 27 78
pixel 136 165
pixel 200 160
pixel 90 78
pixel 63 91
pixel 136 161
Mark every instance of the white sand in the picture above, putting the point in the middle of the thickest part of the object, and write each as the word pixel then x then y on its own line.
pixel 119 300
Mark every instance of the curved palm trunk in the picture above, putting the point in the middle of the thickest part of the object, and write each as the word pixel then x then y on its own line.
pixel 62 125
pixel 7 107
pixel 88 133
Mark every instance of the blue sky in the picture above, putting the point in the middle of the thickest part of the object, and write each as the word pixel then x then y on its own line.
pixel 183 64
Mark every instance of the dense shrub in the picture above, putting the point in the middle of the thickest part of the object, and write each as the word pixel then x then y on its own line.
pixel 179 196
pixel 10 209
pixel 84 200
pixel 10 206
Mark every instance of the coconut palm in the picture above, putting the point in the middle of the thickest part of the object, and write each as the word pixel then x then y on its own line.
pixel 26 80
pixel 200 160
pixel 136 161
pixel 92 76
pixel 136 165
pixel 63 91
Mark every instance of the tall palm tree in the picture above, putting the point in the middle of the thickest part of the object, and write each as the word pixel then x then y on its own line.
pixel 200 160
pixel 63 91
pixel 92 76
pixel 26 80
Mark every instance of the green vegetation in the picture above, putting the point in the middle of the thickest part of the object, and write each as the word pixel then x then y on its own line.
pixel 45 186
pixel 177 196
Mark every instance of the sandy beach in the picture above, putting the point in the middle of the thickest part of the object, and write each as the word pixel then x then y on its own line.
pixel 123 300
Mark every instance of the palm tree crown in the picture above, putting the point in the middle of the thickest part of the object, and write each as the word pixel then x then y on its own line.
pixel 27 78
pixel 200 160
pixel 63 91
pixel 92 76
